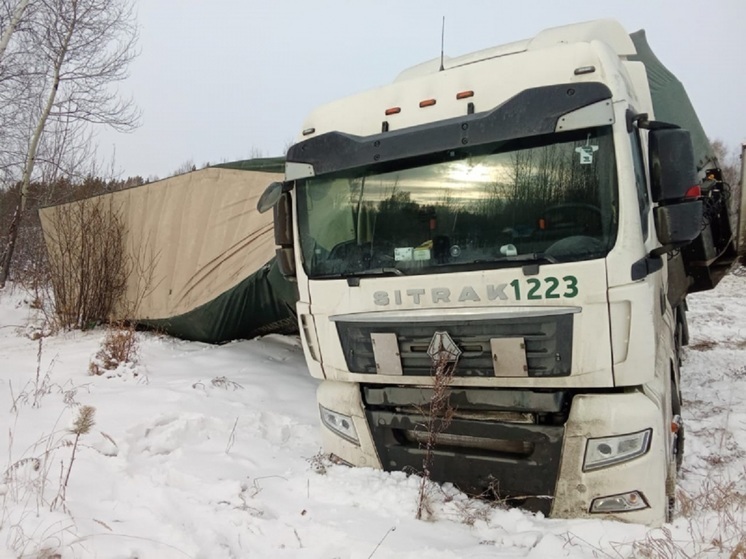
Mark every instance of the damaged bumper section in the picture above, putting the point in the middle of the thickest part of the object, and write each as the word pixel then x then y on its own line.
pixel 554 452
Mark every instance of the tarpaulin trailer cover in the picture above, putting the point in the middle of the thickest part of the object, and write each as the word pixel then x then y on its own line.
pixel 204 256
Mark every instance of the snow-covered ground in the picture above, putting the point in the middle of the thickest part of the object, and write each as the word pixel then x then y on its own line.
pixel 214 452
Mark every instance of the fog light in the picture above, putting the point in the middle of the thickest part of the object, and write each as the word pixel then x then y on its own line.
pixel 340 424
pixel 339 461
pixel 608 451
pixel 623 502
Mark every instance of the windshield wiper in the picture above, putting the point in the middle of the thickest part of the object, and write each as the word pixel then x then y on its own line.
pixel 378 272
pixel 531 260
pixel 529 257
pixel 351 276
pixel 353 279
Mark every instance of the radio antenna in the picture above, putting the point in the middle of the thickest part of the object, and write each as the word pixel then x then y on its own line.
pixel 442 42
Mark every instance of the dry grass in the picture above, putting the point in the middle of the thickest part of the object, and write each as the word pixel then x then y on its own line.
pixel 320 462
pixel 439 415
pixel 225 383
pixel 703 344
pixel 715 525
pixel 659 544
pixel 88 267
pixel 82 425
pixel 119 347
pixel 717 515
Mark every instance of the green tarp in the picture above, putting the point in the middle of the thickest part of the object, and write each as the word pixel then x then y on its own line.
pixel 671 102
pixel 263 303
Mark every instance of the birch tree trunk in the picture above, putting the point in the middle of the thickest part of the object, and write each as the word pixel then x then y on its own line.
pixel 28 168
pixel 88 45
pixel 8 32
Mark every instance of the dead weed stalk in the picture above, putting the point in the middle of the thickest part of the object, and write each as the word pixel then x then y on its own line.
pixel 438 417
pixel 716 517
pixel 119 347
pixel 82 425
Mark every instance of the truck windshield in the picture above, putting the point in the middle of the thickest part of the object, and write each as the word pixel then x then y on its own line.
pixel 545 199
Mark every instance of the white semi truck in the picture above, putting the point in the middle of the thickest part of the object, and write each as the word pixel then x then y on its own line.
pixel 533 215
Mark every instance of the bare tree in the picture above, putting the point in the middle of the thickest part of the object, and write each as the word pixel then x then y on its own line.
pixel 730 167
pixel 16 84
pixel 89 266
pixel 7 30
pixel 729 161
pixel 83 47
pixel 187 167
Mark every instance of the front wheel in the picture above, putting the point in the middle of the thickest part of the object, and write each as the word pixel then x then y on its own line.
pixel 671 477
pixel 677 453
pixel 678 435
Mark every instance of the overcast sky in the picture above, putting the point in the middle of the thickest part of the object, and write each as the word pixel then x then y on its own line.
pixel 222 80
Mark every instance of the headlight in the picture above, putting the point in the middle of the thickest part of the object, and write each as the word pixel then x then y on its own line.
pixel 339 423
pixel 607 451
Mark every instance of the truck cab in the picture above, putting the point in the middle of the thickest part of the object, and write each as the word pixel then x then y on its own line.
pixel 519 216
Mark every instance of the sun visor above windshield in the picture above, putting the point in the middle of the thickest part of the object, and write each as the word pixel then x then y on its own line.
pixel 597 114
pixel 532 112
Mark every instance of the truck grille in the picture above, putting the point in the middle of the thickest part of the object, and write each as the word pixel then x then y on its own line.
pixel 488 448
pixel 548 343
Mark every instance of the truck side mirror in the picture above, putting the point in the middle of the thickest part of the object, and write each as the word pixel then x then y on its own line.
pixel 678 224
pixel 270 196
pixel 283 217
pixel 674 185
pixel 672 168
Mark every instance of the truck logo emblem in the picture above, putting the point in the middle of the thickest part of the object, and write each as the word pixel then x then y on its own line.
pixel 443 349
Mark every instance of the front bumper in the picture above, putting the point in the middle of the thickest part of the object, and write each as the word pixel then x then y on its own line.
pixel 538 467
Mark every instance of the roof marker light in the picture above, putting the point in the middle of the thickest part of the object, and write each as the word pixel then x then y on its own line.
pixel 584 70
pixel 427 103
pixel 393 111
pixel 464 94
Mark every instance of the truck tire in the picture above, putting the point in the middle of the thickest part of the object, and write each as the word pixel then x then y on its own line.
pixel 680 434
pixel 681 334
pixel 673 468
pixel 671 491
pixel 674 464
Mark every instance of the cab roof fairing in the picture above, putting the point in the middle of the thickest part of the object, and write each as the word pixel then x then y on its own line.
pixel 531 112
pixel 608 30
pixel 487 78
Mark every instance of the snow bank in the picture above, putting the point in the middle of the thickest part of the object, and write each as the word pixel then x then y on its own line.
pixel 214 452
